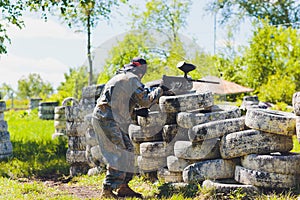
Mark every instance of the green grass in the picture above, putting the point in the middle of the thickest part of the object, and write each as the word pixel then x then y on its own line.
pixel 36 156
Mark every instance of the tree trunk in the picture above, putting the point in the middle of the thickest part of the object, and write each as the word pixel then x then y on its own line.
pixel 89 50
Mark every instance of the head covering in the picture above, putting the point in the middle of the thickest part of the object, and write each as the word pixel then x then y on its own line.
pixel 137 61
pixel 137 66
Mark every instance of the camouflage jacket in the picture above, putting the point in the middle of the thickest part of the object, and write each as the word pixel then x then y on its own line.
pixel 121 95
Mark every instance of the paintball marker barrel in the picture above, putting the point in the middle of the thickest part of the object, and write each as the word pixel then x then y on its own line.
pixel 187 67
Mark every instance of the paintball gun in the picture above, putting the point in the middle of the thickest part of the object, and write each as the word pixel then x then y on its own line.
pixel 179 84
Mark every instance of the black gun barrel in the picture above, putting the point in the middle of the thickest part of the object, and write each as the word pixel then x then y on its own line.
pixel 203 81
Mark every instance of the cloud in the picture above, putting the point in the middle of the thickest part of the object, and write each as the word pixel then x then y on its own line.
pixel 39 28
pixel 15 67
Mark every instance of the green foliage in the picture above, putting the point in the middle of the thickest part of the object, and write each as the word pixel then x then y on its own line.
pixel 271 60
pixel 35 154
pixel 6 91
pixel 132 45
pixel 167 190
pixel 11 12
pixel 277 89
pixel 283 12
pixel 75 80
pixel 270 65
pixel 167 17
pixel 161 47
pixel 33 86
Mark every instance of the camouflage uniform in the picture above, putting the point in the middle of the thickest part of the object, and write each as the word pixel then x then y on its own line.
pixel 111 118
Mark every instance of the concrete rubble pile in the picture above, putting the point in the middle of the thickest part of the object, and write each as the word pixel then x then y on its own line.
pixel 6 148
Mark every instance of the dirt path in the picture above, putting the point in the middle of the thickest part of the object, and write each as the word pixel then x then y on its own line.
pixel 83 192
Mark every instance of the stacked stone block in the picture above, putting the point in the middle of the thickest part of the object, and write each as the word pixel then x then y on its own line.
pixel 192 110
pixel 59 121
pixel 46 110
pixel 216 146
pixel 88 102
pixel 83 150
pixel 76 128
pixel 254 153
pixel 6 149
pixel 296 107
pixel 34 103
pixel 151 138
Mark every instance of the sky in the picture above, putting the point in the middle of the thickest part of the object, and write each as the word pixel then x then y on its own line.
pixel 52 48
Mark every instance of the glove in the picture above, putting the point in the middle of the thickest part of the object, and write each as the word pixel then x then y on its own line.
pixel 143 112
pixel 168 93
pixel 162 86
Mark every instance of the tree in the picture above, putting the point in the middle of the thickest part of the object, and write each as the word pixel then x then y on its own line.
pixel 156 37
pixel 11 11
pixel 133 45
pixel 270 65
pixel 166 17
pixel 6 90
pixel 75 80
pixel 278 12
pixel 82 14
pixel 162 21
pixel 33 86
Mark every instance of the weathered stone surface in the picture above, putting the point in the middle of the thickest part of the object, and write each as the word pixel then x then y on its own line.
pixel 253 141
pixel 227 186
pixel 185 102
pixel 3 126
pixel 96 154
pixel 151 164
pixel 60 110
pixel 217 112
pixel 152 149
pixel 298 128
pixel 76 156
pixel 144 134
pixel 74 113
pixel 173 133
pixel 76 128
pixel 2 106
pixel 6 148
pixel 157 118
pixel 46 116
pixel 77 143
pixel 77 169
pixel 209 169
pixel 4 137
pixel 168 176
pixel 287 163
pixel 59 124
pixel 91 138
pixel 216 129
pixel 265 179
pixel 60 117
pixel 296 103
pixel 271 121
pixel 207 149
pixel 92 91
pixel 46 110
pixel 175 164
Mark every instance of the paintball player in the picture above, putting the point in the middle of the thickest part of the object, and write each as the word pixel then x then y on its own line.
pixel 114 111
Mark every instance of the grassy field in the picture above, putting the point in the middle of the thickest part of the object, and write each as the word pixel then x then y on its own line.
pixel 38 169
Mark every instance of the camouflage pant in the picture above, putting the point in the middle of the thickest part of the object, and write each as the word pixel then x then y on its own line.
pixel 117 150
